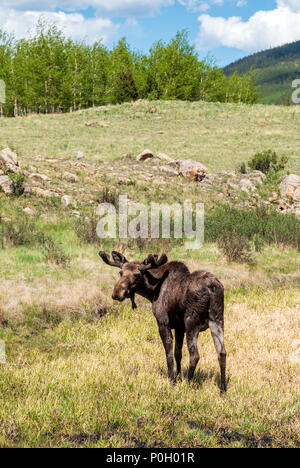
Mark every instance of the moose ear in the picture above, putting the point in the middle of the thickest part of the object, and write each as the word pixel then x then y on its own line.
pixel 118 257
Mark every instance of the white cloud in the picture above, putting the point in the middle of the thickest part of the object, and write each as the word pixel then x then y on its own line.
pixel 241 3
pixel 200 5
pixel 110 7
pixel 294 5
pixel 263 30
pixel 73 24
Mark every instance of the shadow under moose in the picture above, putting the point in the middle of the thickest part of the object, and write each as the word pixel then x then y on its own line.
pixel 188 303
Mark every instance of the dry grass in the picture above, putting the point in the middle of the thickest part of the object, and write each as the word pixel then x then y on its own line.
pixel 74 377
pixel 108 383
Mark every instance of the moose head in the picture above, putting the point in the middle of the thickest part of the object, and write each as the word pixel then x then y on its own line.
pixel 135 277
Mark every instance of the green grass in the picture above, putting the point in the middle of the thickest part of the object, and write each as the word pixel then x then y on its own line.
pixel 219 135
pixel 84 371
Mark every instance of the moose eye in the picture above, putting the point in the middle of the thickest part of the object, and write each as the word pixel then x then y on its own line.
pixel 121 273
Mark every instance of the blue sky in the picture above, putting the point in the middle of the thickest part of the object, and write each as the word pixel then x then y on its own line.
pixel 225 29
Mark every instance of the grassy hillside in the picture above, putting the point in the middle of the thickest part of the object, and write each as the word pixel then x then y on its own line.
pixel 84 371
pixel 276 70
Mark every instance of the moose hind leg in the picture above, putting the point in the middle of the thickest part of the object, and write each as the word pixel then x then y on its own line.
pixel 179 336
pixel 167 339
pixel 192 343
pixel 217 332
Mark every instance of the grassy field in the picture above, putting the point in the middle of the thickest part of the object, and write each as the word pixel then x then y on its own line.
pixel 84 371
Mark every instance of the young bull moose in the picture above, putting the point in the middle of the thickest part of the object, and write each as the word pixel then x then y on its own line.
pixel 187 302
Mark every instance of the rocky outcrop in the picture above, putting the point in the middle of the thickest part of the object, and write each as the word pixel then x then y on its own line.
pixel 290 187
pixel 146 154
pixel 5 184
pixel 10 161
pixel 190 170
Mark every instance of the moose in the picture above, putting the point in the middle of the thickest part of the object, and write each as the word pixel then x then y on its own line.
pixel 188 303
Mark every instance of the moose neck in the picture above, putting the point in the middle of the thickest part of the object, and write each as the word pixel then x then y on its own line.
pixel 152 282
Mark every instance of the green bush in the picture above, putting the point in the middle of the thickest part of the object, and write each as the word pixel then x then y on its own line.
pixel 260 225
pixel 268 161
pixel 18 184
pixel 236 248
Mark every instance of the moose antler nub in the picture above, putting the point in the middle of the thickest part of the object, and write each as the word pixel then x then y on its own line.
pixel 152 261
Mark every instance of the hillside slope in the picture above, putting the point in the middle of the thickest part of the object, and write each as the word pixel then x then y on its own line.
pixel 276 69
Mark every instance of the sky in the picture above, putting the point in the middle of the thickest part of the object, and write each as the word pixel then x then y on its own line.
pixel 224 29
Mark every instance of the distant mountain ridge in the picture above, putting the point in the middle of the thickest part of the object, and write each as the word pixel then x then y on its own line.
pixel 276 69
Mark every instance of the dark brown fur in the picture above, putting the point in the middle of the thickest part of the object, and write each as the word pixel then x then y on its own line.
pixel 188 303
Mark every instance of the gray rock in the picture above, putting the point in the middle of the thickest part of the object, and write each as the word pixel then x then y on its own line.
pixel 164 157
pixel 6 184
pixel 67 200
pixel 191 170
pixel 170 170
pixel 146 154
pixel 289 185
pixel 39 177
pixel 10 160
pixel 70 177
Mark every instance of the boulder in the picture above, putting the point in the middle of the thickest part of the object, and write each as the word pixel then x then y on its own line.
pixel 39 192
pixel 6 184
pixel 289 186
pixel 39 177
pixel 296 196
pixel 164 157
pixel 246 185
pixel 170 170
pixel 191 170
pixel 28 211
pixel 10 160
pixel 70 177
pixel 67 200
pixel 146 154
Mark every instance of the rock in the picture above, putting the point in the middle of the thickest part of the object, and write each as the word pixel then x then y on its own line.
pixel 191 170
pixel 296 196
pixel 28 211
pixel 70 177
pixel 170 170
pixel 146 154
pixel 39 192
pixel 164 157
pixel 10 160
pixel 257 177
pixel 39 177
pixel 6 184
pixel 80 155
pixel 246 185
pixel 67 200
pixel 289 185
pixel 76 214
pixel 91 124
pixel 123 181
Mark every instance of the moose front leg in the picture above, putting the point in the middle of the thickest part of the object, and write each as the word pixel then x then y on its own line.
pixel 133 304
pixel 167 339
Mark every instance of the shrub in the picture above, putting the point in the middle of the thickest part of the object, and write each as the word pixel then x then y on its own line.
pixel 236 248
pixel 19 231
pixel 54 253
pixel 268 161
pixel 261 225
pixel 86 229
pixel 18 184
pixel 108 195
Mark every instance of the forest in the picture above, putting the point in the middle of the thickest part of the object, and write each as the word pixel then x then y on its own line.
pixel 50 73
pixel 275 70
